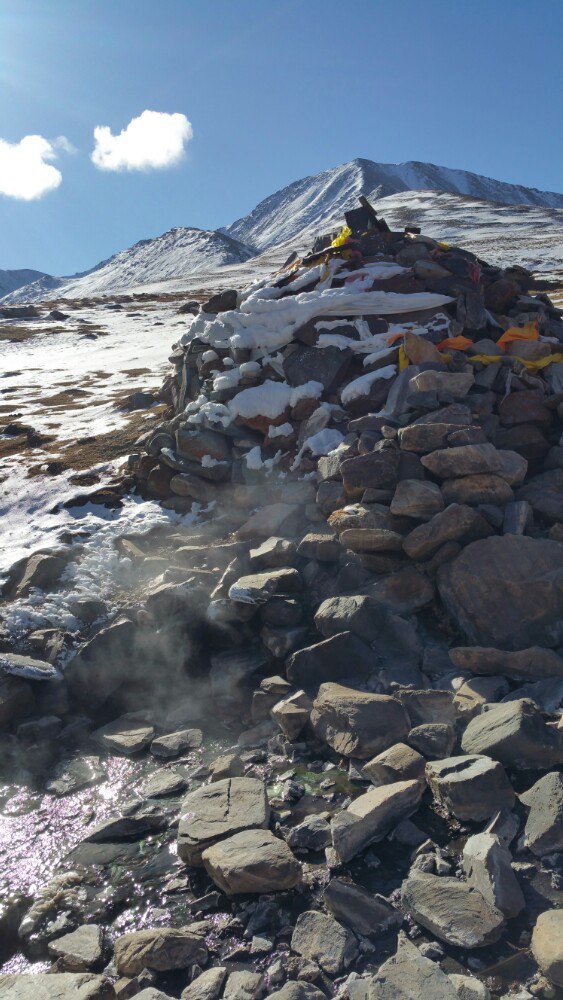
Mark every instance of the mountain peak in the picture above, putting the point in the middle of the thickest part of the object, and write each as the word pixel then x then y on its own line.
pixel 320 199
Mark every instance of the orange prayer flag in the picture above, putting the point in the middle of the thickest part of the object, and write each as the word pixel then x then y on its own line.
pixel 456 343
pixel 528 332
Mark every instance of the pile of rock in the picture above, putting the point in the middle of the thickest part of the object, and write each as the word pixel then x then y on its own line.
pixel 374 438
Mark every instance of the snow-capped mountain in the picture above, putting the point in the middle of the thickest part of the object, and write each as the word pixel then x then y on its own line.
pixel 10 280
pixel 321 199
pixel 503 223
pixel 176 254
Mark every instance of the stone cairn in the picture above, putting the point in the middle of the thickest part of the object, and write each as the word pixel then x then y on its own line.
pixel 372 441
pixel 374 438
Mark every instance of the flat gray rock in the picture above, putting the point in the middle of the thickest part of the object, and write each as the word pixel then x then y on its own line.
pixel 543 833
pixel 174 744
pixel 80 950
pixel 127 735
pixel 55 986
pixel 164 783
pixel 408 975
pixel 217 811
pixel 161 949
pixel 364 912
pixel 452 910
pixel 488 867
pixel 27 667
pixel 323 940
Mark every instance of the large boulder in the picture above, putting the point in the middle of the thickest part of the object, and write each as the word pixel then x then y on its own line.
pixel 357 723
pixel 532 663
pixel 217 811
pixel 472 787
pixel 506 592
pixel 253 861
pixel 332 659
pixel 452 910
pixel 370 620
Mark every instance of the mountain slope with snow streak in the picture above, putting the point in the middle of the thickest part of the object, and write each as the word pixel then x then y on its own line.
pixel 12 279
pixel 320 200
pixel 175 254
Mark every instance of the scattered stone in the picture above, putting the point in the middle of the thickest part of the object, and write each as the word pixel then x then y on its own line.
pixel 514 734
pixel 292 714
pixel 80 950
pixel 433 739
pixel 370 817
pixel 313 834
pixel 543 833
pixel 127 735
pixel 399 763
pixel 406 976
pixel 417 499
pixel 161 949
pixel 365 913
pixel 451 524
pixel 55 986
pixel 369 620
pixel 244 985
pixel 207 986
pixel 175 744
pixel 28 667
pixel 164 783
pixel 488 867
pixel 323 940
pixel 547 945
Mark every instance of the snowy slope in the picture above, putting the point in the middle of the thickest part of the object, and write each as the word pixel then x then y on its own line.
pixel 321 198
pixel 500 234
pixel 175 254
pixel 10 280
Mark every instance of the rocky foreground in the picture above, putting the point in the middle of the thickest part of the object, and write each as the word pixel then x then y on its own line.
pixel 370 614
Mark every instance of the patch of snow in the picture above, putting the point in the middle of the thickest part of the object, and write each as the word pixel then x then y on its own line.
pixel 361 386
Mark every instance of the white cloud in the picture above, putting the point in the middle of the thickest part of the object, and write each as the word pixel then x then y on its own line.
pixel 150 142
pixel 25 170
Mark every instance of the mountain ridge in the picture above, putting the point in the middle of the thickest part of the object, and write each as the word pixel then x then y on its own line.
pixel 315 204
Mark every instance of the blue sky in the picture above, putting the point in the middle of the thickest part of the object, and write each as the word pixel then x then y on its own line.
pixel 274 90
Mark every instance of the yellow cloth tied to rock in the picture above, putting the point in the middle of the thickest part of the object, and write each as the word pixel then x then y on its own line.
pixel 532 366
pixel 344 235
